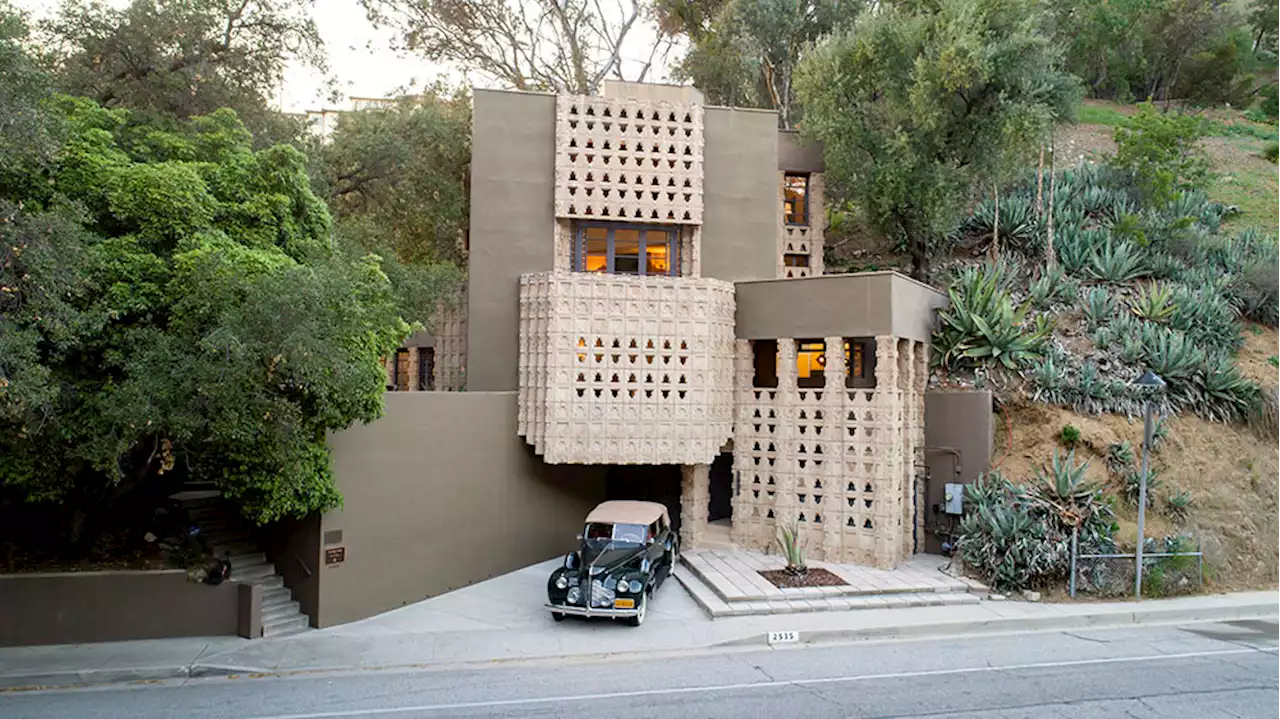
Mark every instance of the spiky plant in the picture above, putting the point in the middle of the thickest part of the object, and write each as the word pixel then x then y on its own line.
pixel 1049 382
pixel 1170 354
pixel 1051 286
pixel 1117 262
pixel 1228 395
pixel 1090 392
pixel 789 542
pixel 1178 505
pixel 1119 457
pixel 1154 303
pixel 1133 486
pixel 1164 266
pixel 1073 249
pixel 1099 307
pixel 982 325
pixel 1206 317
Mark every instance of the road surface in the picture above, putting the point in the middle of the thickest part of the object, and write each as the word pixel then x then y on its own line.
pixel 1199 671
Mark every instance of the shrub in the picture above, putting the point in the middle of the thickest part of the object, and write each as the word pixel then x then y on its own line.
pixel 1117 262
pixel 982 325
pixel 1070 434
pixel 1271 151
pixel 1162 151
pixel 1099 308
pixel 1154 303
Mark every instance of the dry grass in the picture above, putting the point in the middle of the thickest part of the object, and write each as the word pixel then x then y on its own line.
pixel 1230 471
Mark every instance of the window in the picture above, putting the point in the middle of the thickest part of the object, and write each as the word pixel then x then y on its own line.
pixel 791 260
pixel 766 363
pixel 426 369
pixel 811 363
pixel 860 362
pixel 402 370
pixel 625 250
pixel 795 199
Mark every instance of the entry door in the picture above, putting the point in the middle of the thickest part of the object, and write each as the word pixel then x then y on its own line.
pixel 720 504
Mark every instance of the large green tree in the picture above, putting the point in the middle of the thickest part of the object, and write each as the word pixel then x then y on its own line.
pixel 921 103
pixel 745 52
pixel 183 58
pixel 172 307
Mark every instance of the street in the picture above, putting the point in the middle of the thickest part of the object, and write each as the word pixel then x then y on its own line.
pixel 1200 670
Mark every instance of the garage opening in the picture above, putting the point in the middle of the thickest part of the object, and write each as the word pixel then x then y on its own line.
pixel 650 483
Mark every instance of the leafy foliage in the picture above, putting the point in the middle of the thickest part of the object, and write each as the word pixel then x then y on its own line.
pixel 918 104
pixel 1133 486
pixel 1069 435
pixel 1162 151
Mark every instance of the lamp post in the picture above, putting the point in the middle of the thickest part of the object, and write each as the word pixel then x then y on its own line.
pixel 1151 382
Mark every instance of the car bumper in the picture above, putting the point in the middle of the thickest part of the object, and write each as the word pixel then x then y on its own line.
pixel 592 611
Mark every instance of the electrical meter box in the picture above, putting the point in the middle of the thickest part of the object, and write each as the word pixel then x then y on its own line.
pixel 953 499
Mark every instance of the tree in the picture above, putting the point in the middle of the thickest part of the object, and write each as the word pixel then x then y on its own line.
pixel 747 55
pixel 27 136
pixel 183 58
pixel 172 307
pixel 554 45
pixel 1162 151
pixel 917 104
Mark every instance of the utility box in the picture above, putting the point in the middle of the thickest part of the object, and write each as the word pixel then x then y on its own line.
pixel 953 499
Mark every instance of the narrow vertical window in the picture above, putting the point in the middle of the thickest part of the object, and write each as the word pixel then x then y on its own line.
pixel 426 369
pixel 860 362
pixel 765 355
pixel 811 363
pixel 795 199
pixel 402 370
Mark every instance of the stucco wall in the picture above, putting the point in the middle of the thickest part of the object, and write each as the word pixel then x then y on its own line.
pixel 81 607
pixel 859 305
pixel 740 194
pixel 441 493
pixel 962 420
pixel 512 224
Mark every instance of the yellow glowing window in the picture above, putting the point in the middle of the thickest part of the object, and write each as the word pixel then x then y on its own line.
pixel 795 199
pixel 657 253
pixel 596 256
pixel 618 248
pixel 811 361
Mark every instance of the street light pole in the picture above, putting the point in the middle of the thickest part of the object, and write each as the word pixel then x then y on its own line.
pixel 1149 380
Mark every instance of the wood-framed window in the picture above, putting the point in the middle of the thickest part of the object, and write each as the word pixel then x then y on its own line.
pixel 795 198
pixel 795 260
pixel 860 362
pixel 624 249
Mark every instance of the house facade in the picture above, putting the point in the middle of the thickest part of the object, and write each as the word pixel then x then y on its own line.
pixel 647 275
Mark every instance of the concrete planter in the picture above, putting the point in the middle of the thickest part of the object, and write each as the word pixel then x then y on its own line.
pixel 81 607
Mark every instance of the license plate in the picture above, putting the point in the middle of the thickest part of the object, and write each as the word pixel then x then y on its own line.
pixel 624 604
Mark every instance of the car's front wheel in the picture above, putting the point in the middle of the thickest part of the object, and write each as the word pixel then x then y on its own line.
pixel 558 616
pixel 642 608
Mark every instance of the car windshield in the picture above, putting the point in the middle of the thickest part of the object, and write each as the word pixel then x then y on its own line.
pixel 600 532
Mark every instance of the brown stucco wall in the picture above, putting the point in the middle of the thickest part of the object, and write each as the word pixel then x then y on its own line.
pixel 512 224
pixel 294 547
pixel 441 493
pixel 740 194
pixel 959 419
pixel 874 304
pixel 797 155
pixel 81 607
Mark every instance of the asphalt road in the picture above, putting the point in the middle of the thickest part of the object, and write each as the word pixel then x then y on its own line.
pixel 1197 671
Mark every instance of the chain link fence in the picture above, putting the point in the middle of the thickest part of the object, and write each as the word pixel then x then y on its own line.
pixel 1170 566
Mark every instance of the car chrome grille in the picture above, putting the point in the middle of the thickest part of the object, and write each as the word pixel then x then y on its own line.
pixel 601 596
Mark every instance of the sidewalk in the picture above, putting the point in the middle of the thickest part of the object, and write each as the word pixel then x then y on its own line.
pixel 503 620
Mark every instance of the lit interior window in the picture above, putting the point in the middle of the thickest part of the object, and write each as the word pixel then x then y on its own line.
pixel 795 200
pixel 811 359
pixel 596 257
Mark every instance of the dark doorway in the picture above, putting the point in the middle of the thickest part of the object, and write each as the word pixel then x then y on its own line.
pixel 720 505
pixel 650 483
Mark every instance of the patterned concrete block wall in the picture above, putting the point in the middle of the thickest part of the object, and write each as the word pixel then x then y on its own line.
pixel 806 240
pixel 618 369
pixel 451 349
pixel 628 160
pixel 838 462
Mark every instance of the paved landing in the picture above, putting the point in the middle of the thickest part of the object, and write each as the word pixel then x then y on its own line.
pixel 727 582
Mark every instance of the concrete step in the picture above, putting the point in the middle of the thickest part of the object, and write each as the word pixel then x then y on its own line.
pixel 279 611
pixel 252 572
pixel 243 561
pixel 275 580
pixel 276 595
pixel 221 549
pixel 284 626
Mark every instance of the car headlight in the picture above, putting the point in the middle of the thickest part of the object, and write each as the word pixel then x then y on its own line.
pixel 575 594
pixel 561 582
pixel 635 585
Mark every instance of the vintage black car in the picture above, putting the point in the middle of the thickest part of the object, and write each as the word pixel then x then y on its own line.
pixel 628 550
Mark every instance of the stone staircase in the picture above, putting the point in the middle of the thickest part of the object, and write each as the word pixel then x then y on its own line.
pixel 225 534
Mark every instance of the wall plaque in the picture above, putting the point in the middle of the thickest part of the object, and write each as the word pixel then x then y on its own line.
pixel 335 555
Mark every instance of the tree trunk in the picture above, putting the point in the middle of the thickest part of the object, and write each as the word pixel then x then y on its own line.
pixel 1050 255
pixel 995 227
pixel 1040 184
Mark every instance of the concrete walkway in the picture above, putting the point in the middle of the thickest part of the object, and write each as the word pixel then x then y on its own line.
pixel 503 620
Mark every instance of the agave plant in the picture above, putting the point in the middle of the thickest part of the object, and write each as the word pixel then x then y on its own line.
pixel 983 325
pixel 1090 393
pixel 1206 317
pixel 789 542
pixel 1048 380
pixel 1170 354
pixel 1154 302
pixel 1099 307
pixel 1164 266
pixel 1178 505
pixel 1073 249
pixel 1119 457
pixel 1050 287
pixel 1117 262
pixel 1228 395
pixel 1133 486
pixel 1188 204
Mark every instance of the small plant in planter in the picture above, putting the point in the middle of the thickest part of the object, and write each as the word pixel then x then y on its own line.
pixel 1069 435
pixel 789 541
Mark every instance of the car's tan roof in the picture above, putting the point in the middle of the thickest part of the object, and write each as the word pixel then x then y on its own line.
pixel 627 512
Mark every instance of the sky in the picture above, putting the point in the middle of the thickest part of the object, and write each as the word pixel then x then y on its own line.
pixel 360 58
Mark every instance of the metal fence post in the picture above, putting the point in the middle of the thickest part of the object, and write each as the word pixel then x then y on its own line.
pixel 1142 501
pixel 1075 531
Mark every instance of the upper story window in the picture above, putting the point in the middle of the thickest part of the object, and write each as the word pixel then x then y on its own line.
pixel 795 199
pixel 622 249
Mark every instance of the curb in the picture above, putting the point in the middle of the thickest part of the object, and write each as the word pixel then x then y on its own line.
pixel 1114 619
pixel 88 677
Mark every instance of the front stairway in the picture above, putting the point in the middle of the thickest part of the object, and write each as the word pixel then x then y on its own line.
pixel 225 534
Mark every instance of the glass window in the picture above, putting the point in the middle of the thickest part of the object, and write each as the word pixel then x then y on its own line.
pixel 811 361
pixel 791 260
pixel 626 250
pixel 426 369
pixel 402 370
pixel 795 199
pixel 860 362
